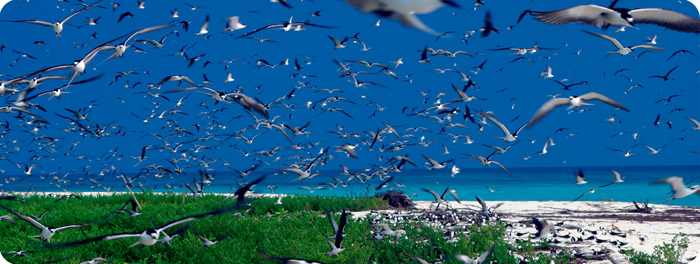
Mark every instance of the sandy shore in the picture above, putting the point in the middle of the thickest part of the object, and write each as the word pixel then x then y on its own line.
pixel 609 222
pixel 613 224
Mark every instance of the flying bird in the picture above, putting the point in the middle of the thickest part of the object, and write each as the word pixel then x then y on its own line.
pixel 149 236
pixel 574 102
pixel 622 50
pixel 404 11
pixel 58 25
pixel 678 188
pixel 605 17
pixel 47 232
pixel 479 260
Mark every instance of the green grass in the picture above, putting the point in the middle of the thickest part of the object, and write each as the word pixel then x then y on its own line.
pixel 666 253
pixel 297 228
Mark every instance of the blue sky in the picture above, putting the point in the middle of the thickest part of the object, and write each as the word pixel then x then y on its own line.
pixel 512 91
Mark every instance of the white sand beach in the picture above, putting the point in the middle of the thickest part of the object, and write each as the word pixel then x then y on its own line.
pixel 610 220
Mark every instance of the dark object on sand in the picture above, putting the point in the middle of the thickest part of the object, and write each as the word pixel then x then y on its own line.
pixel 644 208
pixel 397 199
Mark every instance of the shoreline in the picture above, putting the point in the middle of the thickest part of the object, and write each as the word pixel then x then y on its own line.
pixel 612 222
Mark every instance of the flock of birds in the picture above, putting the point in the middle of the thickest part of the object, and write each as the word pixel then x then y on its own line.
pixel 181 122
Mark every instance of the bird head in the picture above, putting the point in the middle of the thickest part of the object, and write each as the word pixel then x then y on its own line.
pixel 152 233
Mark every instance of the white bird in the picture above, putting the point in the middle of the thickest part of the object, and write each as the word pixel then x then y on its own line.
pixel 58 25
pixel 481 259
pixel 404 10
pixel 605 17
pixel 487 161
pixel 150 236
pixel 208 243
pixel 349 149
pixel 312 190
pixel 695 122
pixel 96 261
pixel 544 228
pixel 229 78
pixel 455 170
pixel 337 43
pixel 509 137
pixel 547 74
pixel 434 165
pixel 579 177
pixel 121 48
pixel 544 149
pixel 204 30
pixel 622 50
pixel 653 151
pixel 233 23
pixel 574 102
pixel 440 199
pixel 618 179
pixel 47 232
pixel 652 40
pixel 678 188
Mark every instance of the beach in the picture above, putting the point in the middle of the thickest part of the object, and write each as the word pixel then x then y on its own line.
pixel 615 226
pixel 610 220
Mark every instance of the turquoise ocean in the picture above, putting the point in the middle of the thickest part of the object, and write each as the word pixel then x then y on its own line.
pixel 526 184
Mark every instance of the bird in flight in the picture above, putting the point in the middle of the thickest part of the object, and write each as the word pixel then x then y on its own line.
pixel 574 102
pixel 58 25
pixel 605 17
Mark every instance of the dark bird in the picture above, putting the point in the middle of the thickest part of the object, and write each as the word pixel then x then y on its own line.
pixel 665 77
pixel 488 25
pixel 127 14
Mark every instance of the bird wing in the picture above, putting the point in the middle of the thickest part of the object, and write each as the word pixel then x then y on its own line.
pixel 676 183
pixel 453 193
pixel 666 18
pixel 483 204
pixel 146 30
pixel 24 217
pixel 609 38
pixel 412 20
pixel 482 258
pixel 105 237
pixel 193 217
pixel 585 14
pixel 605 99
pixel 78 12
pixel 38 22
pixel 7 218
pixel 432 162
pixel 499 165
pixel 546 108
pixel 499 124
pixel 260 29
pixel 617 174
pixel 697 124
pixel 647 47
pixel 334 225
pixel 437 197
pixel 240 193
pixel 204 239
pixel 365 5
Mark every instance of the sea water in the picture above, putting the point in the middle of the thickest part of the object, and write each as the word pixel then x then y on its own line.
pixel 490 184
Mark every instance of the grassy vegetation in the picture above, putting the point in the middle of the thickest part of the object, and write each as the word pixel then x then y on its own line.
pixel 297 228
pixel 667 253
